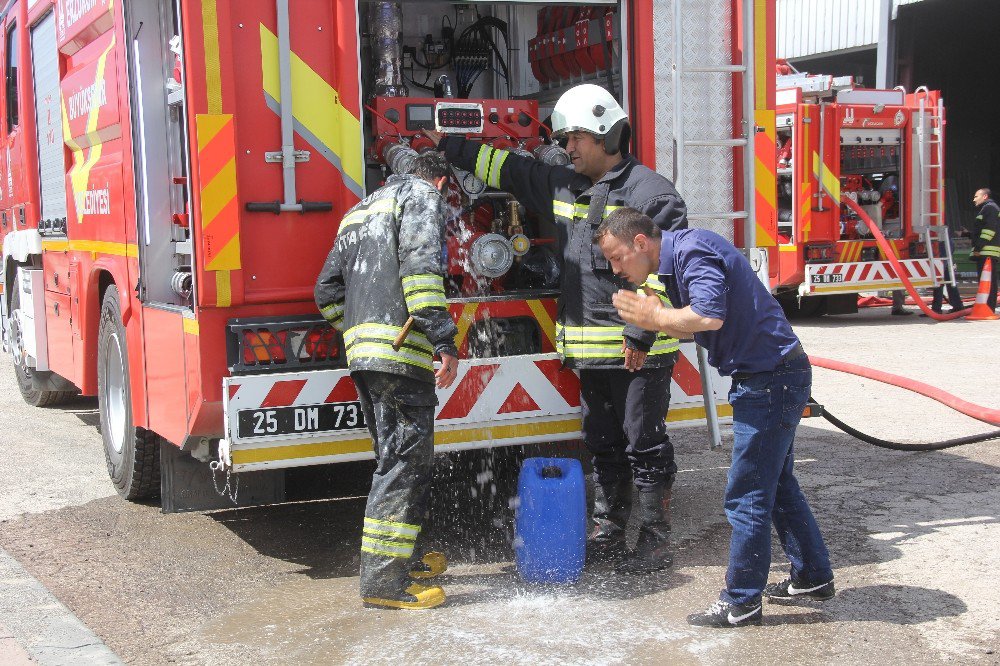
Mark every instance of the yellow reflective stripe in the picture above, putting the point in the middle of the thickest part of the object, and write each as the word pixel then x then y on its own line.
pixel 384 532
pixel 413 282
pixel 987 234
pixel 409 528
pixel 562 209
pixel 333 311
pixel 665 346
pixel 990 251
pixel 360 214
pixel 388 548
pixel 386 352
pixel 385 332
pixel 582 211
pixel 585 351
pixel 499 157
pixel 425 300
pixel 483 162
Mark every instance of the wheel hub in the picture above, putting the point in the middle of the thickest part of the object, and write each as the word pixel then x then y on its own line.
pixel 114 374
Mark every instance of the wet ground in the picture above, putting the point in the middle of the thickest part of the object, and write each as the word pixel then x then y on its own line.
pixel 912 537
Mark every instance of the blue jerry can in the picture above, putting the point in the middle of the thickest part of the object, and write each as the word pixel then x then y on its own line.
pixel 551 522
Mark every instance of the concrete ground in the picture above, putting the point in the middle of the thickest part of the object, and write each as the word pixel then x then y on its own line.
pixel 912 536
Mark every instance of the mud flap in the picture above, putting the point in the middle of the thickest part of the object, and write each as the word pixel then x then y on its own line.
pixel 186 484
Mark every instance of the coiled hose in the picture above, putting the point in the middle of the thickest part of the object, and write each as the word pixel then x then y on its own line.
pixel 984 414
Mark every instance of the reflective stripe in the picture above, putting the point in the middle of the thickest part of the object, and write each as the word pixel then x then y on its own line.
pixel 333 311
pixel 582 211
pixel 483 162
pixel 665 346
pixel 385 332
pixel 499 157
pixel 425 290
pixel 990 251
pixel 360 214
pixel 406 530
pixel 603 342
pixel 562 209
pixel 375 341
pixel 423 280
pixel 387 548
pixel 659 288
pixel 580 350
pixel 987 234
pixel 385 351
pixel 425 300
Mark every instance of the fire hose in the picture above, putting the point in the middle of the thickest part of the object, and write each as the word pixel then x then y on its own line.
pixel 890 255
pixel 984 414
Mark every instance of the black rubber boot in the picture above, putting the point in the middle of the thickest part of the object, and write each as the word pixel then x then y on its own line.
pixel 652 550
pixel 612 506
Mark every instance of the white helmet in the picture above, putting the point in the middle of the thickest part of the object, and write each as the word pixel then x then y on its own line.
pixel 592 109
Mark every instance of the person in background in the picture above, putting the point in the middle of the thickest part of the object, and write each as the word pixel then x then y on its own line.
pixel 985 243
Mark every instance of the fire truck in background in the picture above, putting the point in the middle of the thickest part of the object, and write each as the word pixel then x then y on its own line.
pixel 175 172
pixel 882 148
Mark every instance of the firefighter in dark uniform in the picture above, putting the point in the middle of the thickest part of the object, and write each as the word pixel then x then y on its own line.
pixel 385 266
pixel 624 371
pixel 985 240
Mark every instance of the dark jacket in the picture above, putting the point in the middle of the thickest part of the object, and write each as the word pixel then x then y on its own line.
pixel 589 332
pixel 385 265
pixel 986 229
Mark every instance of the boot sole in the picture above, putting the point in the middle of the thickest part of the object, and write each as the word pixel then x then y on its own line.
pixel 389 604
pixel 798 597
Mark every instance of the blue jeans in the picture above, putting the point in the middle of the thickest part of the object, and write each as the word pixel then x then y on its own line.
pixel 762 489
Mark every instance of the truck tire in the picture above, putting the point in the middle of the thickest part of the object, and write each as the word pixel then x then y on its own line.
pixel 23 372
pixel 132 454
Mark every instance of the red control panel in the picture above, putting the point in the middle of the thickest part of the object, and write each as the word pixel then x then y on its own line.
pixel 500 122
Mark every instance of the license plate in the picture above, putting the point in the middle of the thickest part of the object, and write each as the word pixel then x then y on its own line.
pixel 307 419
pixel 828 278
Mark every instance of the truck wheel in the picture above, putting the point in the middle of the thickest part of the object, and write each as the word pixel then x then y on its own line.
pixel 133 454
pixel 24 372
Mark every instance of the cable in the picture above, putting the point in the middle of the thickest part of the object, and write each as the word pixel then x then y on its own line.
pixel 984 414
pixel 900 446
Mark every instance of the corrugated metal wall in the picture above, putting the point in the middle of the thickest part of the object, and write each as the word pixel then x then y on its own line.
pixel 811 27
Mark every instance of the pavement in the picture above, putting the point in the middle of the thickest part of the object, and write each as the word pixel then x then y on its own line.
pixel 89 578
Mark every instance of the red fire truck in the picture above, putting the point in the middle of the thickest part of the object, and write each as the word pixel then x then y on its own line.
pixel 175 171
pixel 884 149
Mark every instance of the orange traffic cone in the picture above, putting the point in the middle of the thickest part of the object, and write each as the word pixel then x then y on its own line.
pixel 981 311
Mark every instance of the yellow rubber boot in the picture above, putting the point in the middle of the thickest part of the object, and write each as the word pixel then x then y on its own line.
pixel 417 597
pixel 430 565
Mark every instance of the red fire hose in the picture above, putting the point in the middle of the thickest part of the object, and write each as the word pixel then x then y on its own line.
pixel 887 250
pixel 984 414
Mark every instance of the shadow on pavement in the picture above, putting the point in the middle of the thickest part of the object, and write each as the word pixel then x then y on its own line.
pixel 892 604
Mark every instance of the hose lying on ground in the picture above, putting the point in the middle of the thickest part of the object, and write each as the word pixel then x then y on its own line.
pixel 887 251
pixel 901 446
pixel 984 414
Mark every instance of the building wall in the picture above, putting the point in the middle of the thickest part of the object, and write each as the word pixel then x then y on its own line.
pixel 812 27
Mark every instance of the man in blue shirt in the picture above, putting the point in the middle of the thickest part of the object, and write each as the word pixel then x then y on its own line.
pixel 721 302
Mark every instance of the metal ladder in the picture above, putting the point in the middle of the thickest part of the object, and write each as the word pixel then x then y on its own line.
pixel 930 154
pixel 681 144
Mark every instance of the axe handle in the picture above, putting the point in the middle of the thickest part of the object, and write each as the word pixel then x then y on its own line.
pixel 398 342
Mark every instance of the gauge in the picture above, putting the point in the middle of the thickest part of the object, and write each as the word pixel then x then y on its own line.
pixel 472 185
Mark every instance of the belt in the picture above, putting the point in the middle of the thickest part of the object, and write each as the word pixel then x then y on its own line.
pixel 796 352
pixel 793 354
